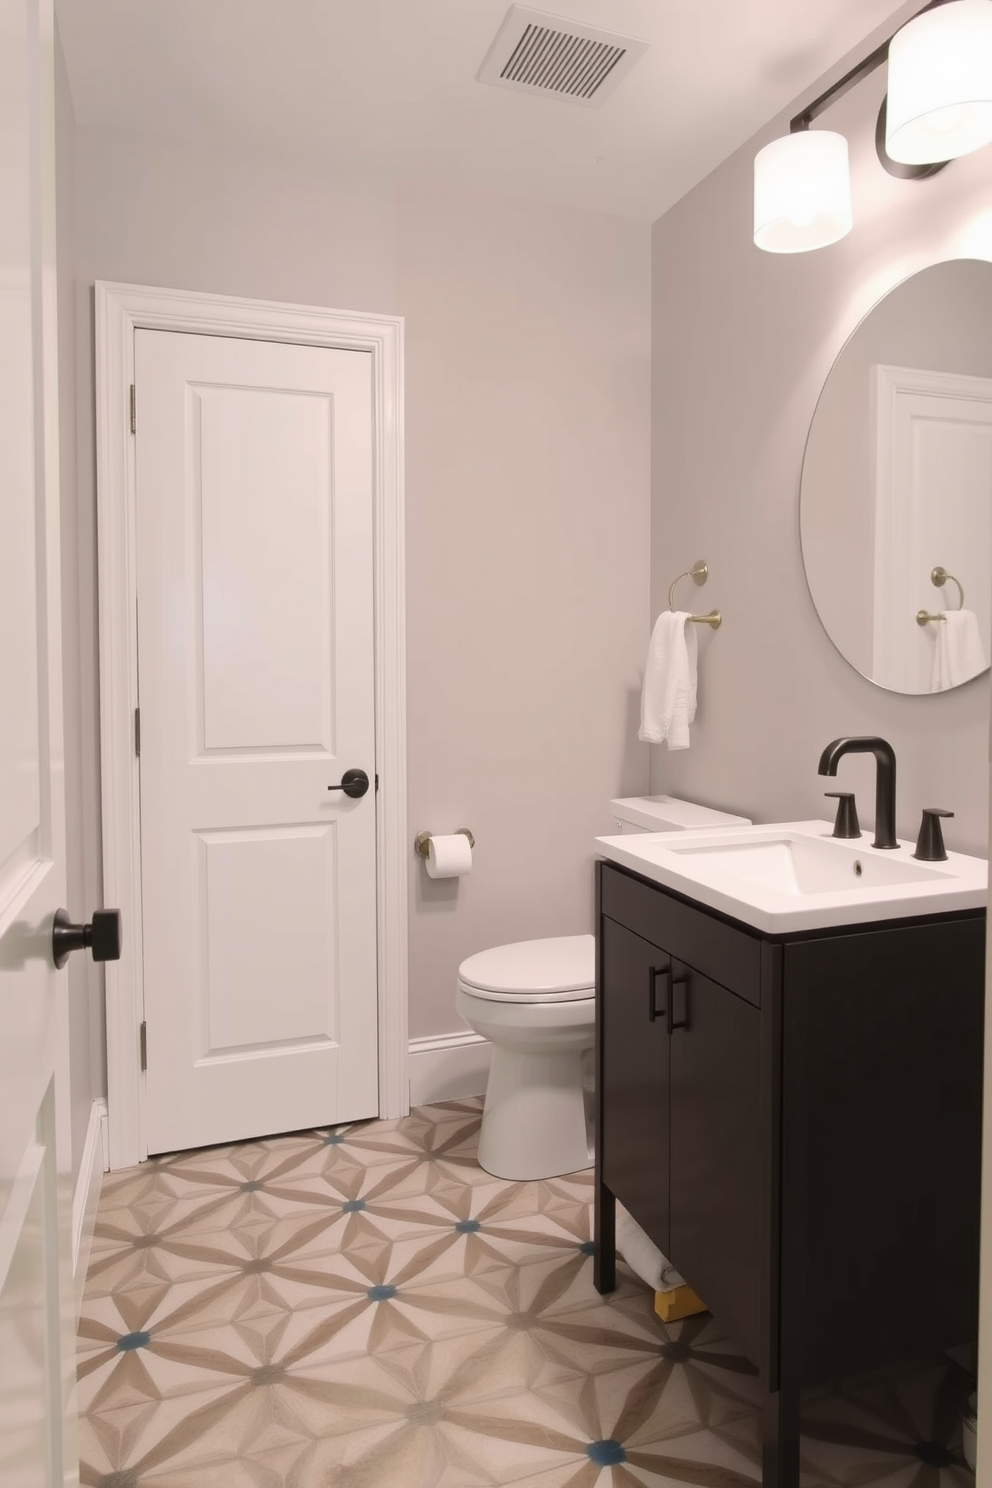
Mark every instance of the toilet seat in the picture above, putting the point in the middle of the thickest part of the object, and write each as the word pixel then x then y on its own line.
pixel 560 969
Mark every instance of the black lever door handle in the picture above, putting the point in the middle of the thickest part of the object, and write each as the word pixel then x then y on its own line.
pixel 354 783
pixel 101 937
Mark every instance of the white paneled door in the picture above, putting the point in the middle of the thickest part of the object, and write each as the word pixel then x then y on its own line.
pixel 256 689
pixel 37 1443
pixel 933 508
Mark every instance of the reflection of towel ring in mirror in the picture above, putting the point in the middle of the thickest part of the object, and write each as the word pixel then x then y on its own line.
pixel 939 577
pixel 698 573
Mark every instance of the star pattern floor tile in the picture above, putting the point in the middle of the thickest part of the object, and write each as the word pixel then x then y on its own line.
pixel 365 1307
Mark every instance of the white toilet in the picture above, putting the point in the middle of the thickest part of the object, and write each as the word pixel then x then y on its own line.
pixel 535 1002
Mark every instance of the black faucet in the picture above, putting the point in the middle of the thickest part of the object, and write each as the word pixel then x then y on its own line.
pixel 885 780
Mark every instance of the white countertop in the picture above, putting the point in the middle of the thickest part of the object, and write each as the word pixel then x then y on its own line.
pixel 796 876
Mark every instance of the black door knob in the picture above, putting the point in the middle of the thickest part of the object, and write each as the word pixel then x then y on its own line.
pixel 354 783
pixel 101 937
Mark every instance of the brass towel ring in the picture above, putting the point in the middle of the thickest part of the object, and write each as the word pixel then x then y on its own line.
pixel 698 573
pixel 939 577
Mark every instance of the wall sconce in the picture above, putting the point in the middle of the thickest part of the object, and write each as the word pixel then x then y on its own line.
pixel 939 106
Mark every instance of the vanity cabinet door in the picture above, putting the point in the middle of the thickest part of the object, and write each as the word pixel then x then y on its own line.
pixel 715 1182
pixel 634 1056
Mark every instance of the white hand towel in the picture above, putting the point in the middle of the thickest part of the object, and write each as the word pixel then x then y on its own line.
pixel 668 697
pixel 958 652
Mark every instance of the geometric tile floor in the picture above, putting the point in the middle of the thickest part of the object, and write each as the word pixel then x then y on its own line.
pixel 364 1307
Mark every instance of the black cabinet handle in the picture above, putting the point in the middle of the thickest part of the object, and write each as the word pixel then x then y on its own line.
pixel 654 1011
pixel 101 937
pixel 354 783
pixel 682 980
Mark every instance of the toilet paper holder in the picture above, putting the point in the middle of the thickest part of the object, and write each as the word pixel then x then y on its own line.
pixel 422 841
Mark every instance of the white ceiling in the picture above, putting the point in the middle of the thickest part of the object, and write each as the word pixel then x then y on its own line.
pixel 390 86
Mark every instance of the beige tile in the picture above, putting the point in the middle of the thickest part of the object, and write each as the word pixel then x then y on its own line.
pixel 365 1306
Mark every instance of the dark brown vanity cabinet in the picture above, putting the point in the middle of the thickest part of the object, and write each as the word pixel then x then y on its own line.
pixel 796 1124
pixel 680 1079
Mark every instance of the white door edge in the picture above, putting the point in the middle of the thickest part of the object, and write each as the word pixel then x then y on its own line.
pixel 86 1196
pixel 121 309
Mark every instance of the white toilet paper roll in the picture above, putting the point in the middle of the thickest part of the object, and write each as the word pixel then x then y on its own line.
pixel 449 857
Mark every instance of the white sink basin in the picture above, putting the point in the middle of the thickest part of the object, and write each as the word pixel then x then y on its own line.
pixel 793 876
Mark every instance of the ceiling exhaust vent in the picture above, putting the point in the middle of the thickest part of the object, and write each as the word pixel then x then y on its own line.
pixel 538 53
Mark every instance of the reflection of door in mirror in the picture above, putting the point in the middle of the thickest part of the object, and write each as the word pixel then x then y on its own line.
pixel 933 502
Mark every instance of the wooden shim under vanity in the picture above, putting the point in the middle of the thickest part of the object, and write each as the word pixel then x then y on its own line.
pixel 678 1303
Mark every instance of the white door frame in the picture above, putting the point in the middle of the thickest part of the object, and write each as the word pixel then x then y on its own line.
pixel 121 309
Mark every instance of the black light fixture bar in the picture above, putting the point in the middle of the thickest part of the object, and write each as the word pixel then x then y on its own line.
pixel 842 86
pixel 850 80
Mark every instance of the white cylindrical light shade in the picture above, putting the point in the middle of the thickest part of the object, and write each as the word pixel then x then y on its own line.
pixel 802 192
pixel 940 84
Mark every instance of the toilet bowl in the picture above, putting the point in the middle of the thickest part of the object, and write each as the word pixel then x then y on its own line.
pixel 535 1002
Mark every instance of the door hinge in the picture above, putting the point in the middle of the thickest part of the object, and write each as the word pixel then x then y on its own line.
pixel 143 1040
pixel 132 408
pixel 377 782
pixel 137 732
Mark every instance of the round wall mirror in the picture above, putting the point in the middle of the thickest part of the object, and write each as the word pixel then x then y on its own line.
pixel 896 498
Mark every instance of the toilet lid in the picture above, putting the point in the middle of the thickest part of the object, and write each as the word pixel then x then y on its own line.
pixel 560 969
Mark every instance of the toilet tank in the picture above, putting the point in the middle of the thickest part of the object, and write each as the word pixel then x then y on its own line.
pixel 668 814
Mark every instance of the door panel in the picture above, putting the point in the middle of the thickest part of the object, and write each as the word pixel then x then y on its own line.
pixel 255 655
pixel 261 483
pixel 279 883
pixel 635 1077
pixel 716 1151
pixel 37 1441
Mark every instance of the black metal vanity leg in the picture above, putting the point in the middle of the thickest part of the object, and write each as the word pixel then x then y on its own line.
pixel 780 1439
pixel 604 1236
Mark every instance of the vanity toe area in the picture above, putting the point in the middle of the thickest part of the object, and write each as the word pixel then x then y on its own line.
pixel 789 1094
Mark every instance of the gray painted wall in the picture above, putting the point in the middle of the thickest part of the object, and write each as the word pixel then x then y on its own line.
pixel 527 444
pixel 742 342
pixel 528 428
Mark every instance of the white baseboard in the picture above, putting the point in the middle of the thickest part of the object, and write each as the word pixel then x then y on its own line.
pixel 86 1194
pixel 447 1067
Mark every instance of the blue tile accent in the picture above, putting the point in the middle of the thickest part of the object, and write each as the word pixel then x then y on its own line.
pixel 129 1341
pixel 380 1293
pixel 468 1226
pixel 353 1206
pixel 606 1453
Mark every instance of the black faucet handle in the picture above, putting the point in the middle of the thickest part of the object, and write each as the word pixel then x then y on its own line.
pixel 846 824
pixel 930 843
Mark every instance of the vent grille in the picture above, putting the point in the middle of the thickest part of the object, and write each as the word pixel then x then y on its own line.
pixel 560 63
pixel 542 53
